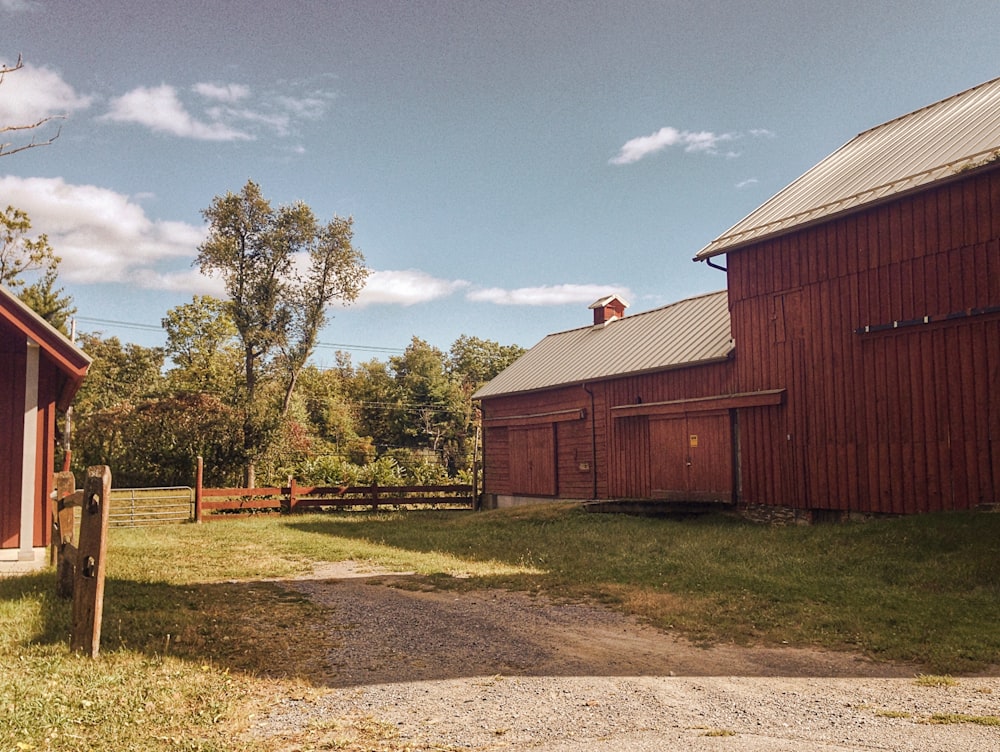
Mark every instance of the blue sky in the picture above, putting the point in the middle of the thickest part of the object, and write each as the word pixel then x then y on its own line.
pixel 506 163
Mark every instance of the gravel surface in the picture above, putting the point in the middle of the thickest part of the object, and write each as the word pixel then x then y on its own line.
pixel 492 670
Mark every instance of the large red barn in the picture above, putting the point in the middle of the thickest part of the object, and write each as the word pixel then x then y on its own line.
pixel 864 304
pixel 40 371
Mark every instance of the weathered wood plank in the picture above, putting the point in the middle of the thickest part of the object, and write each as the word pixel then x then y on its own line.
pixel 88 588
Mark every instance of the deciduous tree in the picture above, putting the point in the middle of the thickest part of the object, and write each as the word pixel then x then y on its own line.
pixel 278 310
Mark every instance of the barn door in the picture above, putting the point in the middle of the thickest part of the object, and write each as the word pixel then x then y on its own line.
pixel 691 457
pixel 631 479
pixel 533 460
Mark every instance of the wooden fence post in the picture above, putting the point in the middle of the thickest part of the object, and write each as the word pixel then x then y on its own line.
pixel 199 478
pixel 292 494
pixel 63 527
pixel 88 588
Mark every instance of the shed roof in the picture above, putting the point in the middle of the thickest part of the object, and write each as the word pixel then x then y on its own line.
pixel 71 361
pixel 932 144
pixel 685 333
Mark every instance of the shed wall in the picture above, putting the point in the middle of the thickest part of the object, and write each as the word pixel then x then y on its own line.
pixel 598 456
pixel 12 361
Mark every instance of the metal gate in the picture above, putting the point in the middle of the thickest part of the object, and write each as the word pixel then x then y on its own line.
pixel 137 507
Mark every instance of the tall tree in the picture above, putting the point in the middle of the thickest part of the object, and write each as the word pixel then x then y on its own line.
pixel 336 271
pixel 277 310
pixel 432 398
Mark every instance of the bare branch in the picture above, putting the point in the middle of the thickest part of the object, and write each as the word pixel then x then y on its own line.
pixel 10 69
pixel 5 148
pixel 5 151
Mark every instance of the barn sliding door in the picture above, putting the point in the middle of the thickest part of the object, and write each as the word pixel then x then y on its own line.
pixel 691 457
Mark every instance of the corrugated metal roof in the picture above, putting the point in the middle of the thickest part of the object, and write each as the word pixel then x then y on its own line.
pixel 691 331
pixel 931 144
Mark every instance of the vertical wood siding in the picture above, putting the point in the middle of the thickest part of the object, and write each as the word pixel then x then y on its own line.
pixel 11 443
pixel 899 421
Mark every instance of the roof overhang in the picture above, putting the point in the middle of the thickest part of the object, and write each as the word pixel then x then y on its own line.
pixel 71 361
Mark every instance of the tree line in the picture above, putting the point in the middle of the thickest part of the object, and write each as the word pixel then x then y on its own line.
pixel 148 412
pixel 233 382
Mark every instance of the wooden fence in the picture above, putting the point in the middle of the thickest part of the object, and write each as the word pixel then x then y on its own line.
pixel 212 504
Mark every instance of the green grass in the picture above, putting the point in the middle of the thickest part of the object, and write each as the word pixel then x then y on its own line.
pixel 196 639
pixel 924 589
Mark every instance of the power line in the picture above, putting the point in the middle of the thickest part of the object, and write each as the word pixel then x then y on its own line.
pixel 152 328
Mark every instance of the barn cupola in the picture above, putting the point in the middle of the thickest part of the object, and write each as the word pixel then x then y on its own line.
pixel 608 309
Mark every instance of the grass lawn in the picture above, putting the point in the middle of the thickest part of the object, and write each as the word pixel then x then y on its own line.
pixel 196 638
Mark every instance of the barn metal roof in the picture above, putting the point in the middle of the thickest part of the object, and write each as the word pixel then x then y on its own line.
pixel 688 332
pixel 934 143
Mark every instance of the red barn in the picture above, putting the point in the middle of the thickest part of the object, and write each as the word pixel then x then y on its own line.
pixel 864 303
pixel 40 371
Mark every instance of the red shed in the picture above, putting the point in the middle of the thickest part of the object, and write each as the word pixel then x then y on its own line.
pixel 40 371
pixel 864 303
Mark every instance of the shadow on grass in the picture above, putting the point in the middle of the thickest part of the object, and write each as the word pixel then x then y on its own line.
pixel 357 632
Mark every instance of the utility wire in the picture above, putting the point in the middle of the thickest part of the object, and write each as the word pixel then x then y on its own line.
pixel 152 328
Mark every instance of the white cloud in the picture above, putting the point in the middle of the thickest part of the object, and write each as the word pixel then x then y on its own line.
pixel 219 111
pixel 101 235
pixel 161 110
pixel 222 92
pixel 747 183
pixel 406 287
pixel 692 141
pixel 190 281
pixel 546 295
pixel 16 5
pixel 32 93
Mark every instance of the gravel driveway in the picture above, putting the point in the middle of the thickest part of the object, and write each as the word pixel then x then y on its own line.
pixel 494 670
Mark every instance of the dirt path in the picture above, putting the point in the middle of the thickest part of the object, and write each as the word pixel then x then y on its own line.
pixel 494 670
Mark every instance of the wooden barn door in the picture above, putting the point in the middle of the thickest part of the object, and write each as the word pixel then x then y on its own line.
pixel 691 457
pixel 631 477
pixel 533 460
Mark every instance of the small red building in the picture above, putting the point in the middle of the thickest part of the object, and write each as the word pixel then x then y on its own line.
pixel 40 371
pixel 864 304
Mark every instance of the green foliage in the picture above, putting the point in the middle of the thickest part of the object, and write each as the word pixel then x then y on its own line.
pixel 45 299
pixel 480 360
pixel 155 442
pixel 277 311
pixel 119 374
pixel 385 471
pixel 19 253
pixel 201 342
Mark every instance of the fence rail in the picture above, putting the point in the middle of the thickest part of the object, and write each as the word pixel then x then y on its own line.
pixel 222 503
